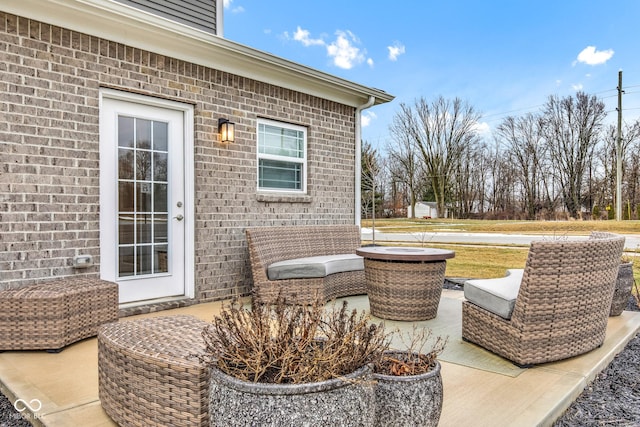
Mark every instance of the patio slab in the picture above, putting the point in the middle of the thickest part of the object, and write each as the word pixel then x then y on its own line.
pixel 62 389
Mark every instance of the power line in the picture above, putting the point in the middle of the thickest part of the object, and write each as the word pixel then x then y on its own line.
pixel 496 116
pixel 513 111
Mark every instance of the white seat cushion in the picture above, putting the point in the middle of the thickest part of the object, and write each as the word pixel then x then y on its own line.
pixel 495 295
pixel 317 266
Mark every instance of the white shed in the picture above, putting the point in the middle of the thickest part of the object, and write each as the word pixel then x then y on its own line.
pixel 424 210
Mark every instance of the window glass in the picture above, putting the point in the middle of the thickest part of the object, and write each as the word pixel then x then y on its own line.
pixel 282 175
pixel 281 156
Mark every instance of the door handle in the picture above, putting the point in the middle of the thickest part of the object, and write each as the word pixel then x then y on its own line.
pixel 178 217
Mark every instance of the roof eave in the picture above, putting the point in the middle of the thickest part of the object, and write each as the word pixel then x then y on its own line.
pixel 120 23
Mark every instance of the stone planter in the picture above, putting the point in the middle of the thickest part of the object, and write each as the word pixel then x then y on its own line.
pixel 342 401
pixel 414 400
pixel 622 293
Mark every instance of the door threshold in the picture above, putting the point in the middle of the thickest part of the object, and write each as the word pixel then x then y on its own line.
pixel 154 305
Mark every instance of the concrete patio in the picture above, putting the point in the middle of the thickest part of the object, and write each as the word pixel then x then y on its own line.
pixel 480 389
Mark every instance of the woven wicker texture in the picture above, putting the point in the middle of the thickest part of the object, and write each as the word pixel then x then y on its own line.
pixel 52 315
pixel 149 373
pixel 272 244
pixel 562 307
pixel 404 290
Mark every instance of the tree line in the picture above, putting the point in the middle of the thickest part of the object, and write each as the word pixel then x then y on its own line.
pixel 556 163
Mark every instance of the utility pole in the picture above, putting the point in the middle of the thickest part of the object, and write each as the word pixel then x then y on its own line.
pixel 619 152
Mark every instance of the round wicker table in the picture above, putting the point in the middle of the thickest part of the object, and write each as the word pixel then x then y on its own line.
pixel 404 283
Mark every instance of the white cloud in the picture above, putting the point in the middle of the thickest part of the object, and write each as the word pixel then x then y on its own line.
pixel 343 50
pixel 367 116
pixel 227 5
pixel 591 56
pixel 303 36
pixel 396 50
pixel 482 128
pixel 577 86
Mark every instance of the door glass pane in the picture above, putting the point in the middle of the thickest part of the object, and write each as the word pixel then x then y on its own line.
pixel 143 165
pixel 160 228
pixel 143 203
pixel 160 132
pixel 125 229
pixel 160 198
pixel 144 228
pixel 160 166
pixel 161 264
pixel 143 134
pixel 143 260
pixel 125 163
pixel 125 132
pixel 143 197
pixel 126 200
pixel 126 264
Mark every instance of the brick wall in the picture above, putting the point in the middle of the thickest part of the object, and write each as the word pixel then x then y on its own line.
pixel 50 79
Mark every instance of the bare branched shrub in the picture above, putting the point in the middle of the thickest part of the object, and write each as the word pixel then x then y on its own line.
pixel 422 350
pixel 292 344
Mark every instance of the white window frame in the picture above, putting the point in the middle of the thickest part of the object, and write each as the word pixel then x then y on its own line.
pixel 302 161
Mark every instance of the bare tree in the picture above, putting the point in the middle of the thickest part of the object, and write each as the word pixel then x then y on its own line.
pixel 633 167
pixel 404 162
pixel 630 136
pixel 440 131
pixel 468 185
pixel 372 185
pixel 572 127
pixel 370 169
pixel 523 140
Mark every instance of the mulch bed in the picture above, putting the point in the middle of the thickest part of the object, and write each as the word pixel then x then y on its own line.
pixel 9 417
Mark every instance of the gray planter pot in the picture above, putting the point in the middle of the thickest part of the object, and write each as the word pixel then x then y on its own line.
pixel 622 293
pixel 342 401
pixel 414 400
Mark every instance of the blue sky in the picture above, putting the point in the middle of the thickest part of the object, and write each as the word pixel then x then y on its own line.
pixel 502 57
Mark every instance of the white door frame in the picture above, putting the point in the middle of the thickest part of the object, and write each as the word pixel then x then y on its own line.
pixel 107 253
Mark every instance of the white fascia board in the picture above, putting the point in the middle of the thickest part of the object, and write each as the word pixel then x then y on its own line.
pixel 120 23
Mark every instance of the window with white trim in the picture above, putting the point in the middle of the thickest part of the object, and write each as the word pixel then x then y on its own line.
pixel 282 157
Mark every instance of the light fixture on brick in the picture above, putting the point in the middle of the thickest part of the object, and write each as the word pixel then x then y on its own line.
pixel 227 130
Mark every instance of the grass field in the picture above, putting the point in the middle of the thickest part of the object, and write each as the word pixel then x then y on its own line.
pixel 487 226
pixel 473 261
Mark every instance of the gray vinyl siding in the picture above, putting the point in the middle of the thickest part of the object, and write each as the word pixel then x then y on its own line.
pixel 199 14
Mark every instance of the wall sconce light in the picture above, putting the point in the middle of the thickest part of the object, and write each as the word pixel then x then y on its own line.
pixel 227 130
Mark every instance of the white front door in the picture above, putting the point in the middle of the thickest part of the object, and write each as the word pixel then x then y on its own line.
pixel 143 208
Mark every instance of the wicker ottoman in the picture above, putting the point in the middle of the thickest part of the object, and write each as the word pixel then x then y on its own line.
pixel 149 373
pixel 52 315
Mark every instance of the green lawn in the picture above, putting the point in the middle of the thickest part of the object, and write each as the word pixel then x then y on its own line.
pixel 480 261
pixel 489 226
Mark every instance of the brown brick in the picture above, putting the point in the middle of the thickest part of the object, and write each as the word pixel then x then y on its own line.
pixel 49 87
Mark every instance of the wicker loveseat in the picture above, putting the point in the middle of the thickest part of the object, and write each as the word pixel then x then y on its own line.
pixel 325 252
pixel 561 304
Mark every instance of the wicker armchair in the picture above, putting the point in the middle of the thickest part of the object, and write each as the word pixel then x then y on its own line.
pixel 562 306
pixel 268 245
